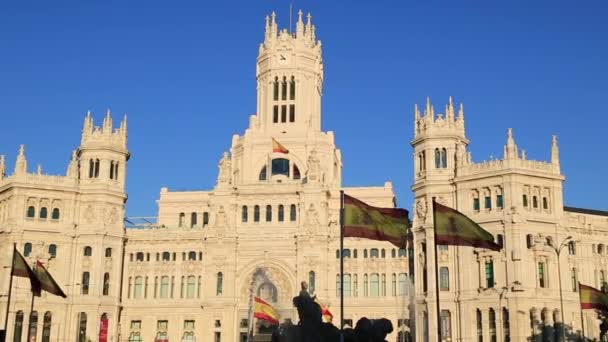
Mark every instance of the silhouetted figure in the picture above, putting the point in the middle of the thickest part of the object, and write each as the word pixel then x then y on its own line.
pixel 310 316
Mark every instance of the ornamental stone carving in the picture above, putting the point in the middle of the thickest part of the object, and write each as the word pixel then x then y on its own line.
pixel 225 167
pixel 313 174
pixel 89 214
pixel 421 209
pixel 312 220
pixel 111 215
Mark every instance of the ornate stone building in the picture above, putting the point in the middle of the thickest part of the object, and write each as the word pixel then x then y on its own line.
pixel 511 295
pixel 270 222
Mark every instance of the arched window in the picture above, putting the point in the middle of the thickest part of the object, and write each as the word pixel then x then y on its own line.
pixel 446 325
pixel 529 241
pixel 355 253
pixel 43 213
pixel 164 287
pixel 139 256
pixel 18 326
pixel 205 218
pixel 347 285
pixel 365 253
pixel 444 158
pixel 355 285
pixel 91 168
pixel 191 287
pixel 571 248
pixel 346 253
pixel 53 250
pixel 402 253
pixel 373 253
pixel 84 284
pixel 500 240
pixel 374 285
pixel 108 252
pixel 492 319
pixel 437 158
pixel 292 90
pixel 296 172
pixel 444 279
pixel 256 213
pixel 96 168
pixel 82 327
pixel 219 286
pixel 402 284
pixel 55 215
pixel 534 201
pixel 292 213
pixel 192 255
pixel 284 89
pixel 280 166
pixel 545 203
pixel 393 253
pixel 281 214
pixel 525 200
pixel 394 285
pixel 337 254
pixel 383 285
pixel 33 326
pixel 479 326
pixel 46 327
pixel 139 287
pixel 275 114
pixel 244 214
pixel 112 169
pixel 27 249
pixel 365 285
pixel 311 282
pixel 31 212
pixel 193 219
pixel 275 89
pixel 88 251
pixel 338 285
pixel 106 284
pixel 383 253
pixel 262 174
pixel 166 256
pixel 182 217
pixel 268 213
pixel 292 113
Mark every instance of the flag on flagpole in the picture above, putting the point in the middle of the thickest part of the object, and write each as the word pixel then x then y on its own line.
pixel 454 228
pixel 326 315
pixel 47 283
pixel 592 298
pixel 20 268
pixel 384 224
pixel 265 311
pixel 278 147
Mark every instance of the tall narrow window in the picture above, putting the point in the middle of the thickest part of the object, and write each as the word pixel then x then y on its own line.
pixel 534 201
pixel 191 287
pixel 444 158
pixel 84 287
pixel 55 215
pixel 82 327
pixel 292 89
pixel 139 288
pixel 284 89
pixel 275 87
pixel 31 212
pixel 489 274
pixel 500 240
pixel 347 285
pixel 18 326
pixel 374 253
pixel 394 285
pixel 281 213
pixel 542 282
pixel 545 203
pixel 479 327
pixel 506 325
pixel 106 284
pixel 256 213
pixel 383 285
pixel 275 113
pixel 338 285
pixel 268 213
pixel 437 159
pixel 244 214
pixel 374 285
pixel 164 287
pixel 53 250
pixel 311 282
pixel 365 286
pixel 193 219
pixel 46 327
pixel 296 172
pixel 446 325
pixel 205 218
pixel 383 253
pixel 402 290
pixel 444 279
pixel 27 249
pixel 488 202
pixel 292 113
pixel 115 170
pixel 492 319
pixel 499 203
pixel 96 168
pixel 91 168
pixel 43 213
pixel 574 277
pixel 284 113
pixel 571 248
pixel 182 218
pixel 220 284
pixel 111 169
pixel 292 213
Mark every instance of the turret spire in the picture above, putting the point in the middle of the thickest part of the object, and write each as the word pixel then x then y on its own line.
pixel 510 151
pixel 2 167
pixel 416 112
pixel 21 163
pixel 554 151
pixel 300 26
pixel 461 112
pixel 449 111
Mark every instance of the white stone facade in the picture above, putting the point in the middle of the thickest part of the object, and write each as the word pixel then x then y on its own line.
pixel 188 275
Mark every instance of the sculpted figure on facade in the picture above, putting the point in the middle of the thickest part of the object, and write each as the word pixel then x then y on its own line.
pixel 89 214
pixel 225 167
pixel 421 209
pixel 313 174
pixel 312 219
pixel 220 221
pixel 111 215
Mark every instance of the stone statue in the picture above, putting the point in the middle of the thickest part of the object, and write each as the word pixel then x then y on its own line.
pixel 314 167
pixel 225 169
pixel 421 209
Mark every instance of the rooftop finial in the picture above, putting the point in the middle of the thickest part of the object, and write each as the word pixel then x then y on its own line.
pixel 510 147
pixel 554 151
pixel 21 150
pixel 2 167
pixel 21 163
pixel 449 111
pixel 416 112
pixel 461 112
pixel 300 25
pixel 427 110
pixel 39 170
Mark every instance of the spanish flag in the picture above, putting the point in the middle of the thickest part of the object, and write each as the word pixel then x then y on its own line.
pixel 20 268
pixel 455 229
pixel 325 313
pixel 592 298
pixel 384 224
pixel 47 283
pixel 265 311
pixel 277 147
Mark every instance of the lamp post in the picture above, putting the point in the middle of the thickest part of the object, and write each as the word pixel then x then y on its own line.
pixel 558 251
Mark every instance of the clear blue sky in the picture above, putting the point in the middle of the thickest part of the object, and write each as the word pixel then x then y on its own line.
pixel 184 71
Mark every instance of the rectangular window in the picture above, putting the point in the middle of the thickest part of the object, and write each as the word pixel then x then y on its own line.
pixel 188 325
pixel 218 336
pixel 292 113
pixel 446 325
pixel 443 248
pixel 488 202
pixel 275 114
pixel 525 200
pixel 476 204
pixel 499 203
pixel 489 274
pixel 284 113
pixel 444 279
pixel 135 325
pixel 84 289
pixel 541 275
pixel 535 201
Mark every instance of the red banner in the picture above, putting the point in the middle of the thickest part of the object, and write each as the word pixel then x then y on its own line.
pixel 103 330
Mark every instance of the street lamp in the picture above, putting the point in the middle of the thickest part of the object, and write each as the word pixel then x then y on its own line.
pixel 558 251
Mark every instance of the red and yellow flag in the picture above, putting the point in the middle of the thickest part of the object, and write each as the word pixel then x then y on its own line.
pixel 592 298
pixel 327 316
pixel 47 283
pixel 277 147
pixel 384 224
pixel 454 228
pixel 265 311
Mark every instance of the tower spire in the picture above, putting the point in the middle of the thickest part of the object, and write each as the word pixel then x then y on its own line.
pixel 21 163
pixel 449 111
pixel 300 25
pixel 554 151
pixel 510 148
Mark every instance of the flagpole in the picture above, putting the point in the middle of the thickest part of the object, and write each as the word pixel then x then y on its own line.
pixel 580 302
pixel 29 331
pixel 436 277
pixel 10 290
pixel 341 265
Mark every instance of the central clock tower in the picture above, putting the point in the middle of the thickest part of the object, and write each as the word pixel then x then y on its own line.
pixel 289 75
